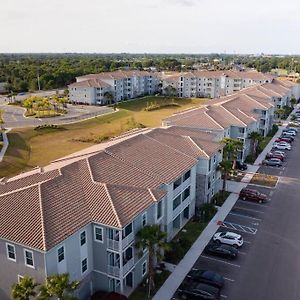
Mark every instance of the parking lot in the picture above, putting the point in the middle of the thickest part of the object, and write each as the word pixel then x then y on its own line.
pixel 258 272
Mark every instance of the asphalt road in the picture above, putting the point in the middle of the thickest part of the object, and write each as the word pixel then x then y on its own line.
pixel 268 264
pixel 13 116
pixel 272 267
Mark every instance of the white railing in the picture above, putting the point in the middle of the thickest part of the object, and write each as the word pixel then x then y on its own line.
pixel 127 240
pixel 113 244
pixel 113 270
pixel 127 267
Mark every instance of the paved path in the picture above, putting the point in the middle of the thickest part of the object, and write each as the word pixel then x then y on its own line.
pixel 175 279
pixel 13 116
pixel 5 145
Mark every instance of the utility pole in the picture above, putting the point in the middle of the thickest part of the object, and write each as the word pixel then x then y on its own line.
pixel 38 80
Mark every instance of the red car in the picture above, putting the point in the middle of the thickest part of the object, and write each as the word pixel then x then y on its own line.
pixel 274 155
pixel 282 139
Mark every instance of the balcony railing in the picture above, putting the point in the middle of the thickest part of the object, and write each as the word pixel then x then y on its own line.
pixel 113 244
pixel 127 240
pixel 127 267
pixel 113 270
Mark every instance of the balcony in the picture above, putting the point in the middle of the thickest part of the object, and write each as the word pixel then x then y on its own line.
pixel 115 244
pixel 113 270
pixel 127 240
pixel 128 266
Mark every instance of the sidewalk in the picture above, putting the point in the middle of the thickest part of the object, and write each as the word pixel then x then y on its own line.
pixel 5 144
pixel 170 286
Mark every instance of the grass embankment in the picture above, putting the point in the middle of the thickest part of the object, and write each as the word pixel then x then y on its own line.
pixel 264 179
pixel 30 148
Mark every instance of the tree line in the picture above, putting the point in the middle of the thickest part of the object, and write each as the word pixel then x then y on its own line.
pixel 30 72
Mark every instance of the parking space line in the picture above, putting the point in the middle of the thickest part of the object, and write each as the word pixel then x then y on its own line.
pixel 229 279
pixel 223 296
pixel 249 209
pixel 244 216
pixel 247 242
pixel 222 261
pixel 239 227
pixel 242 252
pixel 251 203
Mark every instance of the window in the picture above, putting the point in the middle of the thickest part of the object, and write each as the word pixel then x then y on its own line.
pixel 61 254
pixel 11 252
pixel 98 234
pixel 215 158
pixel 177 183
pixel 144 219
pixel 176 202
pixel 29 258
pixel 84 265
pixel 127 230
pixel 209 165
pixel 186 193
pixel 144 268
pixel 187 175
pixel 82 238
pixel 159 210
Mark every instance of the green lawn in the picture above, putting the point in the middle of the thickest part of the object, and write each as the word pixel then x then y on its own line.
pixel 30 148
pixel 140 292
pixel 184 240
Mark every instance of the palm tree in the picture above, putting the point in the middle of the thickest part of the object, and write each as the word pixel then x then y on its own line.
pixel 58 286
pixel 109 97
pixel 280 112
pixel 225 168
pixel 153 239
pixel 293 102
pixel 256 138
pixel 231 149
pixel 24 289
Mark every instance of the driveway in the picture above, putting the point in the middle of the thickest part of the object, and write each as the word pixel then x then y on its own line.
pixel 13 116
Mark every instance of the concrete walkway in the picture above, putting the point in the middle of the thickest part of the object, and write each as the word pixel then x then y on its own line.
pixel 170 286
pixel 5 144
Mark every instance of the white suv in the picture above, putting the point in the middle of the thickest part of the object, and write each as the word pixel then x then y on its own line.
pixel 229 238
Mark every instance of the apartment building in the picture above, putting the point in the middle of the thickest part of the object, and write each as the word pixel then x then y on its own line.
pixel 212 84
pixel 109 87
pixel 80 214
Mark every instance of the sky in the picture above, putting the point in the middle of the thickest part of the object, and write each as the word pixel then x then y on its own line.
pixel 150 26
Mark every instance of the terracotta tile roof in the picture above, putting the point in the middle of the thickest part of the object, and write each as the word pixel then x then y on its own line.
pixel 184 144
pixel 119 74
pixel 277 88
pixel 197 118
pixel 153 157
pixel 105 168
pixel 45 214
pixel 29 180
pixel 93 82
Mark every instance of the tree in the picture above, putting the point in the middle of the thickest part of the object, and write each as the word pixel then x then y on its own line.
pixel 58 286
pixel 231 149
pixel 109 97
pixel 293 117
pixel 153 239
pixel 280 112
pixel 255 138
pixel 170 91
pixel 293 102
pixel 24 289
pixel 225 167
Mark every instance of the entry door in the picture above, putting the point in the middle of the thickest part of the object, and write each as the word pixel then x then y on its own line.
pixel 129 280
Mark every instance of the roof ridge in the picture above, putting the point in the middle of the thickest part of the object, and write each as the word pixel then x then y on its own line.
pixel 252 99
pixel 112 205
pixel 205 112
pixel 152 195
pixel 191 139
pixel 171 147
pixel 246 114
pixel 233 115
pixel 268 89
pixel 42 217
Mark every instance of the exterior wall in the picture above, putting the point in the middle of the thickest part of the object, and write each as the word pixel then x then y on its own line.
pixel 84 95
pixel 9 270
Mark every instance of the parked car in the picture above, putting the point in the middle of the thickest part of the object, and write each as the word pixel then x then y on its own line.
pixel 283 139
pixel 221 250
pixel 229 238
pixel 274 162
pixel 282 146
pixel 241 166
pixel 289 133
pixel 195 290
pixel 274 155
pixel 282 153
pixel 252 195
pixel 291 129
pixel 208 277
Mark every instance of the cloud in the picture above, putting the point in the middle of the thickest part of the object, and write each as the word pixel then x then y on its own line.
pixel 183 2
